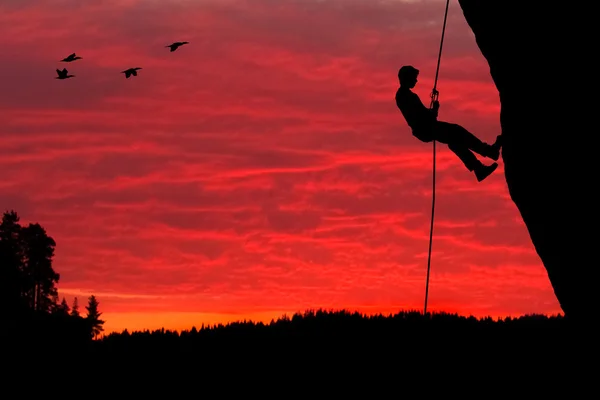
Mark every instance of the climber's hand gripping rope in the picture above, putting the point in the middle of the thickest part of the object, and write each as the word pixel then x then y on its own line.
pixel 435 104
pixel 434 99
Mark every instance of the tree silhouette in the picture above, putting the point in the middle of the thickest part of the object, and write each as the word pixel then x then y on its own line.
pixel 30 308
pixel 27 277
pixel 93 316
pixel 11 265
pixel 75 308
pixel 63 308
pixel 54 300
pixel 38 250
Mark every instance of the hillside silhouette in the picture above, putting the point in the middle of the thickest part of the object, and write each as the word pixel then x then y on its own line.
pixel 339 328
pixel 42 336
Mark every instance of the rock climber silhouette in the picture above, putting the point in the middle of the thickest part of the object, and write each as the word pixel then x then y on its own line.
pixel 425 127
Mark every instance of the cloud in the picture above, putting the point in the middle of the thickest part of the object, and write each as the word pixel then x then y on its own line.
pixel 262 168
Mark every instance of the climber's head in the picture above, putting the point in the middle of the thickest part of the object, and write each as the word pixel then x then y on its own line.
pixel 407 75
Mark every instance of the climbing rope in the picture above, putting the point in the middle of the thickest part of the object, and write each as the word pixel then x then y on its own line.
pixel 434 97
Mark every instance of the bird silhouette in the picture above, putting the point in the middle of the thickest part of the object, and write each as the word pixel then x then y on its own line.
pixel 176 45
pixel 64 74
pixel 70 58
pixel 130 71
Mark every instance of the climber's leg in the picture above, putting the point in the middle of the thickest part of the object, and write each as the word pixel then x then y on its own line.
pixel 465 155
pixel 456 135
pixel 481 170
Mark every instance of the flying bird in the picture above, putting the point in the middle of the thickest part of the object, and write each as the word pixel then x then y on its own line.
pixel 130 71
pixel 176 45
pixel 64 74
pixel 71 57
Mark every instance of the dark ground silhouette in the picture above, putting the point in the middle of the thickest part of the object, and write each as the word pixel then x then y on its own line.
pixel 329 350
pixel 338 351
pixel 408 332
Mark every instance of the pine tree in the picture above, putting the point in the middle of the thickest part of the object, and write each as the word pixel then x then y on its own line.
pixel 38 251
pixel 63 308
pixel 54 305
pixel 93 316
pixel 27 279
pixel 12 278
pixel 75 308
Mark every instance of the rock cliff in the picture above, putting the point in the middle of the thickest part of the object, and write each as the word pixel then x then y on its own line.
pixel 541 58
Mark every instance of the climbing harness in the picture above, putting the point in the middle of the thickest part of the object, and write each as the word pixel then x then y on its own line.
pixel 434 97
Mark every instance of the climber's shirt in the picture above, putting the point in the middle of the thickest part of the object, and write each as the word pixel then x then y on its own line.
pixel 417 116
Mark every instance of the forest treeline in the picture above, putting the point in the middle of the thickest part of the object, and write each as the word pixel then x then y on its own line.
pixel 30 306
pixel 32 311
pixel 345 322
pixel 334 335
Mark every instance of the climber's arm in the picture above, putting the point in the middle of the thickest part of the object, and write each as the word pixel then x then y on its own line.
pixel 435 109
pixel 414 106
pixel 425 111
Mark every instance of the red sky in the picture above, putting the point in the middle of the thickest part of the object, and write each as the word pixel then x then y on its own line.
pixel 263 168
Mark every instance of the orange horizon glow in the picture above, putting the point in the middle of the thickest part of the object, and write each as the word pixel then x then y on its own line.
pixel 263 168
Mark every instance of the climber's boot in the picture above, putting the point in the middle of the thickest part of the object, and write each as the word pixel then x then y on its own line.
pixel 483 171
pixel 494 149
